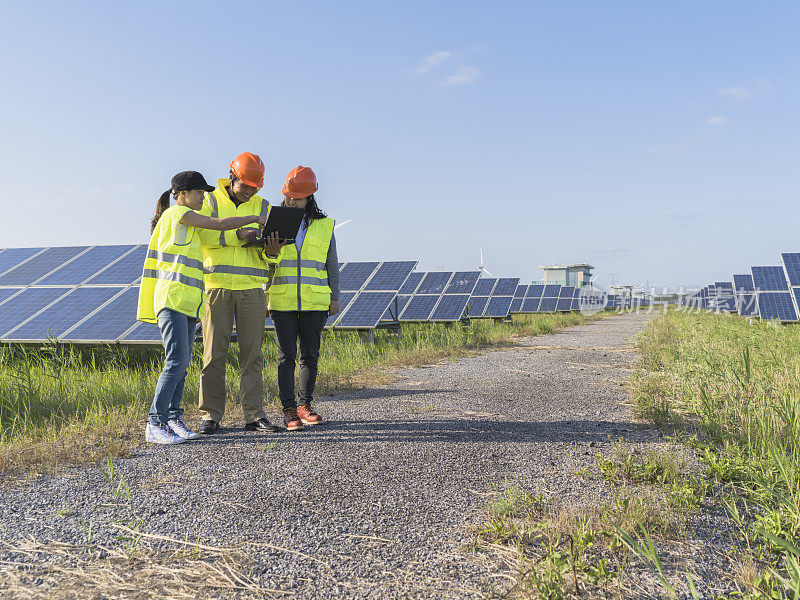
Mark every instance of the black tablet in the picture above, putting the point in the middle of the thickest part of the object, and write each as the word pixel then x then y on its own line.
pixel 283 219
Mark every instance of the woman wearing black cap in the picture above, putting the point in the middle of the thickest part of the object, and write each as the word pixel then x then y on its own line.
pixel 171 294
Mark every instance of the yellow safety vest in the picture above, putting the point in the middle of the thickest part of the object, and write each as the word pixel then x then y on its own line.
pixel 301 283
pixel 227 263
pixel 173 269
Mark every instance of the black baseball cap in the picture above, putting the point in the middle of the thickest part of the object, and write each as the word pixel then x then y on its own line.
pixel 190 180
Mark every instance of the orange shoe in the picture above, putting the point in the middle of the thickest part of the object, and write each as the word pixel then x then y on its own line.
pixel 307 415
pixel 291 420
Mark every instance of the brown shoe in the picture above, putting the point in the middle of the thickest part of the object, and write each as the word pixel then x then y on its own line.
pixel 307 415
pixel 291 420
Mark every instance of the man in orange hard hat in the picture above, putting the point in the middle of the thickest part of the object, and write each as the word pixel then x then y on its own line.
pixel 234 276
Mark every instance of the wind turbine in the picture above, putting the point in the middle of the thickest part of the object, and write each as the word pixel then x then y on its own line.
pixel 481 269
pixel 342 223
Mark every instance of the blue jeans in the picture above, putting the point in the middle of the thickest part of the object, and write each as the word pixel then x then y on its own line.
pixel 177 335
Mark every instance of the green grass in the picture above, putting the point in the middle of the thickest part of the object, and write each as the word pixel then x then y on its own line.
pixel 737 383
pixel 73 405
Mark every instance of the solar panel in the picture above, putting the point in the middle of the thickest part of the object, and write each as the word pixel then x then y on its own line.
pixel 723 287
pixel 476 306
pixel 419 308
pixel 110 322
pixel 450 308
pixel 791 262
pixel 463 282
pixel 25 304
pixel 366 310
pixel 434 282
pixel 535 291
pixel 12 257
pixel 484 287
pixel 63 315
pixel 530 305
pixel 412 283
pixel 143 332
pixel 506 286
pixel 393 312
pixel 743 283
pixel 40 265
pixel 566 291
pixel 522 291
pixel 776 306
pixel 564 304
pixel 498 306
pixel 354 275
pixel 79 270
pixel 548 305
pixel 769 279
pixel 727 304
pixel 576 303
pixel 345 298
pixel 125 271
pixel 6 293
pixel 551 291
pixel 390 276
pixel 516 305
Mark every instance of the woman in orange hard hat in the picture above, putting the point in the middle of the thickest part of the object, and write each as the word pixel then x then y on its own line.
pixel 303 293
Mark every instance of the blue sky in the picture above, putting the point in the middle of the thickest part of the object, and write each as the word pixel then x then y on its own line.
pixel 658 142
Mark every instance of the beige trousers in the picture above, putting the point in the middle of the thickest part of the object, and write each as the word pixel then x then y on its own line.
pixel 248 309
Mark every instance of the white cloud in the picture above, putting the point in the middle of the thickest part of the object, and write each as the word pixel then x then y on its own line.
pixel 433 60
pixel 448 67
pixel 742 93
pixel 463 75
pixel 716 121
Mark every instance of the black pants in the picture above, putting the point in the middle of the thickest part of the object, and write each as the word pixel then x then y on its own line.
pixel 289 325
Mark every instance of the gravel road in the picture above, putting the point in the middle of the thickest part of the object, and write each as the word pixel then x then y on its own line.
pixel 378 501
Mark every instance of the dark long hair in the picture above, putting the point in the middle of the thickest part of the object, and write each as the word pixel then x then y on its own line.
pixel 161 206
pixel 313 212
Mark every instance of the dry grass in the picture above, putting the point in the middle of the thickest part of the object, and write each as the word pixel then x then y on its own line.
pixel 185 570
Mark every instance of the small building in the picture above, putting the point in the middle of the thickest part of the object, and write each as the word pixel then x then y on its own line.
pixel 621 290
pixel 577 275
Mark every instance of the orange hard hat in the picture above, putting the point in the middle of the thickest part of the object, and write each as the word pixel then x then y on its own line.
pixel 300 183
pixel 249 168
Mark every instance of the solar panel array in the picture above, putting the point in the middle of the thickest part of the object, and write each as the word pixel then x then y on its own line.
pixel 82 294
pixel 769 292
pixel 89 294
pixel 439 296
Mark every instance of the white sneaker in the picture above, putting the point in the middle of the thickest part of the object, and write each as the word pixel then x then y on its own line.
pixel 178 427
pixel 161 434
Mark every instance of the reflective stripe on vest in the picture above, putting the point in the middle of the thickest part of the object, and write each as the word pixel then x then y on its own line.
pixel 290 279
pixel 253 272
pixel 175 258
pixel 215 215
pixel 172 276
pixel 304 262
